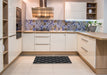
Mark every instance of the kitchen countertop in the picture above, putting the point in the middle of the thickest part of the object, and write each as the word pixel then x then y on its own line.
pixel 96 35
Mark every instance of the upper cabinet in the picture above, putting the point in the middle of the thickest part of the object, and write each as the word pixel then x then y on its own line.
pixel 58 8
pixel 91 10
pixel 75 10
pixel 11 18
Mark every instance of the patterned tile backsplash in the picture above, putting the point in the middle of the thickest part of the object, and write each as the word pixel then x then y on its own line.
pixel 48 25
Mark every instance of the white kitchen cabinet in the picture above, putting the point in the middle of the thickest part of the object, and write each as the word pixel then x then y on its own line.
pixel 58 7
pixel 12 48
pixel 42 41
pixel 87 48
pixel 75 10
pixel 40 47
pixel 71 42
pixel 1 56
pixel 1 6
pixel 28 42
pixel 12 17
pixel 92 52
pixel 19 45
pixel 58 41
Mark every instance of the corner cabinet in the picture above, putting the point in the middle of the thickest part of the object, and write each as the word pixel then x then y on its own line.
pixel 58 41
pixel 1 56
pixel 28 42
pixel 87 49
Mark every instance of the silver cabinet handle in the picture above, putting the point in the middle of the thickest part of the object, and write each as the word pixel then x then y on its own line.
pixel 84 40
pixel 42 36
pixel 42 44
pixel 12 35
pixel 84 49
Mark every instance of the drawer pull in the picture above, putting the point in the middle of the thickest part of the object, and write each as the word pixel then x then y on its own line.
pixel 42 36
pixel 84 40
pixel 84 49
pixel 12 35
pixel 42 44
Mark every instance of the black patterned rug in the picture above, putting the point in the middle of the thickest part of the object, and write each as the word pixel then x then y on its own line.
pixel 51 59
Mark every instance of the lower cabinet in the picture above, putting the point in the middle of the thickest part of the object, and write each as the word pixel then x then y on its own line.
pixel 28 42
pixel 12 48
pixel 42 47
pixel 19 45
pixel 42 41
pixel 71 42
pixel 58 41
pixel 87 49
pixel 49 42
pixel 1 56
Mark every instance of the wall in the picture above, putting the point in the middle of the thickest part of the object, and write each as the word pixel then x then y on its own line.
pixel 58 6
pixel 100 13
pixel 23 14
pixel 29 5
pixel 100 9
pixel 105 16
pixel 19 3
pixel 48 25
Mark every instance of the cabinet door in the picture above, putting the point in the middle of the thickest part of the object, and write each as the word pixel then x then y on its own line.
pixel 12 17
pixel 28 42
pixel 1 19
pixel 87 48
pixel 92 52
pixel 71 42
pixel 1 56
pixel 79 43
pixel 75 10
pixel 19 45
pixel 58 42
pixel 12 49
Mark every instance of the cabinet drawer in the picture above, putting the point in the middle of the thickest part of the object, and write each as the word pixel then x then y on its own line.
pixel 84 51
pixel 42 47
pixel 42 40
pixel 85 42
pixel 42 34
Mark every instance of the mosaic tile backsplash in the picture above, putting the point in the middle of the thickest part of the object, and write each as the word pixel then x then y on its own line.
pixel 48 25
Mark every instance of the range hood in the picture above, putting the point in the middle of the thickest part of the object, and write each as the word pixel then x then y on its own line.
pixel 42 12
